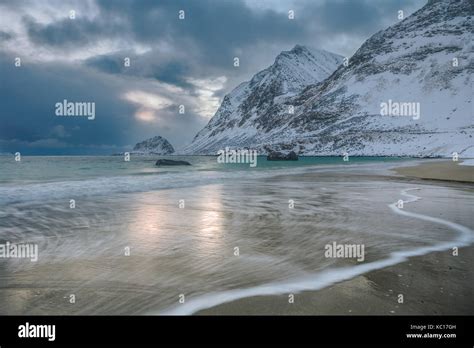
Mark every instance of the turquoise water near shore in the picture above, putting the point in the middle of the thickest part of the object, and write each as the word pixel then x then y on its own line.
pixel 51 168
pixel 56 177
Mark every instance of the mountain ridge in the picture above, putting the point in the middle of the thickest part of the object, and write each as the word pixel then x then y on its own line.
pixel 411 61
pixel 251 104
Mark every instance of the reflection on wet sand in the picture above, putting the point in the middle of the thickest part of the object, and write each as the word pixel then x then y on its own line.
pixel 189 250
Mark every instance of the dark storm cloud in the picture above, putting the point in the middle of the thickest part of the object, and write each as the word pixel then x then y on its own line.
pixel 28 107
pixel 344 16
pixel 173 73
pixel 5 36
pixel 214 31
pixel 112 64
pixel 149 65
pixel 215 25
pixel 69 32
pixel 29 123
pixel 363 17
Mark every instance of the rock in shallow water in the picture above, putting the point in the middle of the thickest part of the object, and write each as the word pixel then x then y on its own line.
pixel 279 156
pixel 167 162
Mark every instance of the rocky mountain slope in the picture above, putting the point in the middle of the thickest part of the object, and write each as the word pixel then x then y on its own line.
pixel 257 106
pixel 153 146
pixel 426 61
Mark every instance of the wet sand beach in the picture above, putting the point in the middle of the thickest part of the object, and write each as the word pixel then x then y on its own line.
pixel 438 283
pixel 434 284
pixel 191 250
pixel 439 170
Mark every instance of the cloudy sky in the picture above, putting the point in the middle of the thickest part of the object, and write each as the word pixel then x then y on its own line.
pixel 173 62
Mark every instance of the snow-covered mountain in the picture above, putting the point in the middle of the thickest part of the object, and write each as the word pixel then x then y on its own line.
pixel 153 146
pixel 257 106
pixel 426 60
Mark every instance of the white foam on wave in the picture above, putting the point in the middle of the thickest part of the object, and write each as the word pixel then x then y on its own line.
pixel 111 185
pixel 468 162
pixel 128 184
pixel 330 276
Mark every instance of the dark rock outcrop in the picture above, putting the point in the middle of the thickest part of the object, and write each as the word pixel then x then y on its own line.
pixel 279 156
pixel 167 162
pixel 153 146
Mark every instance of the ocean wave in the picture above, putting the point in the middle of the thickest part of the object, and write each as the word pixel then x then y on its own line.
pixel 52 190
pixel 125 184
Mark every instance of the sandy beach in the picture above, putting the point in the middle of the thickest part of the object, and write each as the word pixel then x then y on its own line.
pixel 445 170
pixel 434 284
